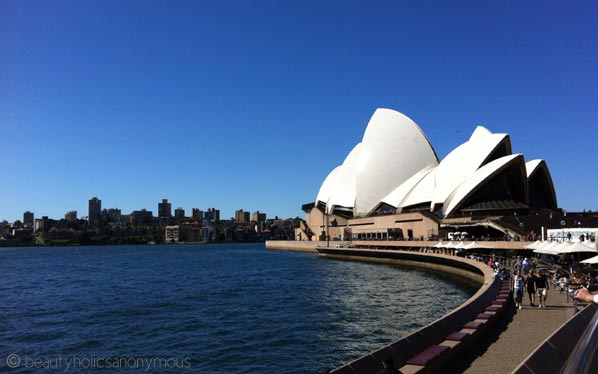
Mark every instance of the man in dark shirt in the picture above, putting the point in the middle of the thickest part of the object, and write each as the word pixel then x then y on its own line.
pixel 542 289
pixel 530 283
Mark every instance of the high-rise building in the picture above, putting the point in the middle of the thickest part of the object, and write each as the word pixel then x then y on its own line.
pixel 28 218
pixel 141 217
pixel 212 214
pixel 95 210
pixel 112 214
pixel 71 216
pixel 258 217
pixel 164 209
pixel 44 224
pixel 240 216
pixel 196 213
pixel 179 213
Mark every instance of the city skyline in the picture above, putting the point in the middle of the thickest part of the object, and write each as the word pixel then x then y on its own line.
pixel 188 211
pixel 95 210
pixel 249 105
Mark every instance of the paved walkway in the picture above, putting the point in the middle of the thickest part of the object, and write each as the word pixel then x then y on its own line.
pixel 517 335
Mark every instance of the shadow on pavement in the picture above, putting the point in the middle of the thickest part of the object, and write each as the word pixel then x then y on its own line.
pixel 482 346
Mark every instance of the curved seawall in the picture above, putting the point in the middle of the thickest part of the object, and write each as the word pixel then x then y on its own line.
pixel 471 270
pixel 435 333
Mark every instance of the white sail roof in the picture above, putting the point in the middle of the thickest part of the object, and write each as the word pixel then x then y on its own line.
pixel 464 161
pixel 541 186
pixel 398 195
pixel 327 188
pixel 392 150
pixel 483 174
pixel 457 167
pixel 395 165
pixel 532 166
pixel 338 188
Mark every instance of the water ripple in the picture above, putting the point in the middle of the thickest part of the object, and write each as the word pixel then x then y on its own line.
pixel 229 308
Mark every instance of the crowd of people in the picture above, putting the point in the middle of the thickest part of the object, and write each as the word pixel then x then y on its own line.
pixel 529 276
pixel 526 276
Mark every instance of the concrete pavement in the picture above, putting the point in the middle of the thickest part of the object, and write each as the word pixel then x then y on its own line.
pixel 516 336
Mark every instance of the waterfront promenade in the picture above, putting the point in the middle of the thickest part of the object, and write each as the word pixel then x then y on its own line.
pixel 518 334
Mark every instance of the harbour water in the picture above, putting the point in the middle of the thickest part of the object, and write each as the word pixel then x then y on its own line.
pixel 230 308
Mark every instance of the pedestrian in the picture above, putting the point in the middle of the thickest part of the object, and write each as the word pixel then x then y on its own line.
pixel 530 285
pixel 542 289
pixel 526 266
pixel 518 264
pixel 517 284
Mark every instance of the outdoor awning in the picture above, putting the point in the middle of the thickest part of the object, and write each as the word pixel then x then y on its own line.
pixel 575 248
pixel 534 245
pixel 461 245
pixel 475 245
pixel 591 260
pixel 548 248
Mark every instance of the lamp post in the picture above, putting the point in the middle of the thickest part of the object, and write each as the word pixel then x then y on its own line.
pixel 563 224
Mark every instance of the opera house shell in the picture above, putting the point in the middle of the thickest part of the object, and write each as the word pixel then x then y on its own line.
pixel 395 170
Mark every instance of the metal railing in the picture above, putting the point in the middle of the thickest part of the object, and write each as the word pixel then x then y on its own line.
pixel 581 359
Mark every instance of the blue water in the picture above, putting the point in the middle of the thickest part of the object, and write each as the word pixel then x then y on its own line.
pixel 206 308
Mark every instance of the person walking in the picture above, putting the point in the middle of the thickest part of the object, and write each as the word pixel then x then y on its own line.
pixel 542 289
pixel 526 266
pixel 530 285
pixel 518 264
pixel 517 286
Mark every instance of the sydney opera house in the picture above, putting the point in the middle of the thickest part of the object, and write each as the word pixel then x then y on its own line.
pixel 392 186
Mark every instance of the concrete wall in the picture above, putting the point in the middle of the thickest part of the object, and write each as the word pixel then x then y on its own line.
pixel 299 246
pixel 310 246
pixel 475 271
pixel 420 225
pixel 504 245
pixel 317 221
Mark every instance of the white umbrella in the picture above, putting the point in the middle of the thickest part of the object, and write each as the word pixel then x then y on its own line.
pixel 591 260
pixel 449 245
pixel 475 245
pixel 563 247
pixel 439 245
pixel 533 245
pixel 461 245
pixel 541 246
pixel 576 247
pixel 548 248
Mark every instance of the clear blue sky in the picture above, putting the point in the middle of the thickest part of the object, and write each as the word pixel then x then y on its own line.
pixel 250 104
